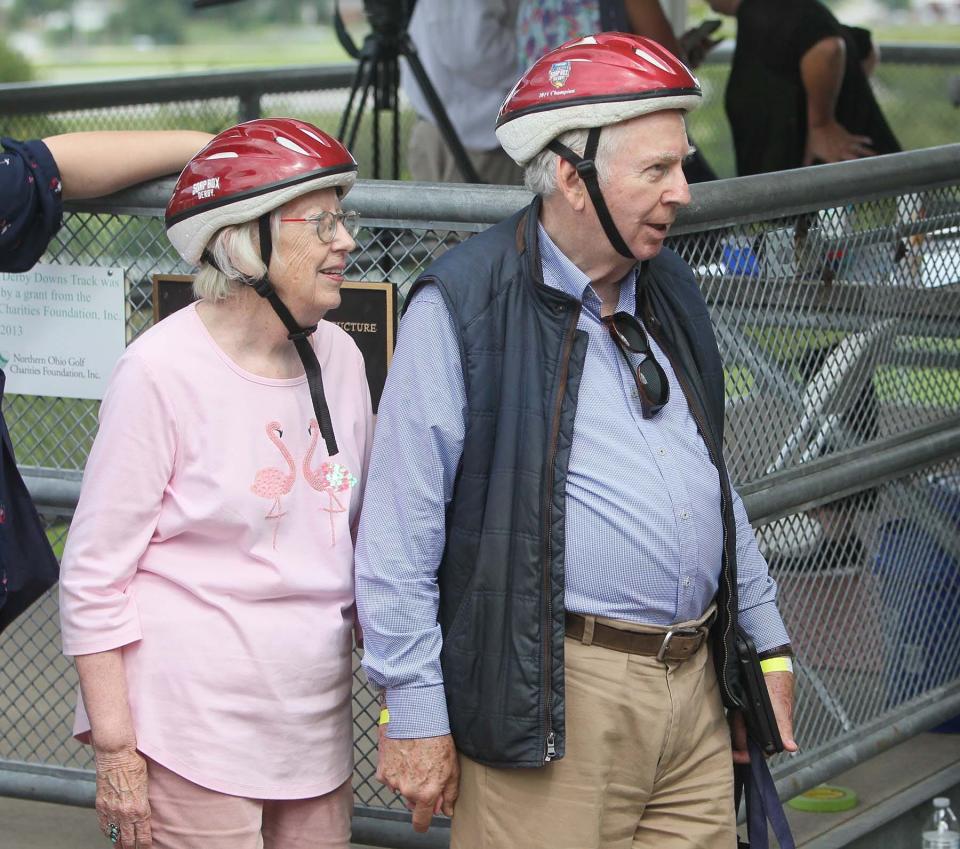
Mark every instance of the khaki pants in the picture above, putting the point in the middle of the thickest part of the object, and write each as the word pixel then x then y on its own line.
pixel 430 160
pixel 647 766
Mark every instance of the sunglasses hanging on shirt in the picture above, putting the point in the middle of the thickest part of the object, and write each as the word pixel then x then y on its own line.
pixel 651 380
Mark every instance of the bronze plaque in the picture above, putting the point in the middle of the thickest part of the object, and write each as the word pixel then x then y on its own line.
pixel 367 311
pixel 170 293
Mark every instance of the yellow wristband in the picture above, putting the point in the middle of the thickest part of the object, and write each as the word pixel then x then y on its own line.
pixel 776 664
pixel 384 717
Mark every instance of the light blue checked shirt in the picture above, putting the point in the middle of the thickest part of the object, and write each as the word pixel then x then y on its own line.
pixel 643 524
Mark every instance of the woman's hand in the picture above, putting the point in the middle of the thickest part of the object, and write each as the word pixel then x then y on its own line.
pixel 122 798
pixel 121 772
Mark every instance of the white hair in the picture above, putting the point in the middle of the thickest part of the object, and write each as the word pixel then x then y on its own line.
pixel 540 175
pixel 236 259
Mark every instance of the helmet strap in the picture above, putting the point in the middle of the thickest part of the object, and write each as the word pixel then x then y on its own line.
pixel 300 338
pixel 210 260
pixel 587 171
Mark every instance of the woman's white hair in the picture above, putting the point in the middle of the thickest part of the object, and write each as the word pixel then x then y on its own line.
pixel 540 175
pixel 236 259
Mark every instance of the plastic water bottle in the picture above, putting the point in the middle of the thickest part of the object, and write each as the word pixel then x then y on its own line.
pixel 941 830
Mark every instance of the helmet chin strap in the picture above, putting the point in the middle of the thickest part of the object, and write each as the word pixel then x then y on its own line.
pixel 300 338
pixel 587 170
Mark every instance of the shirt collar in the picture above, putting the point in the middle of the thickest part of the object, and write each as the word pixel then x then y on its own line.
pixel 560 273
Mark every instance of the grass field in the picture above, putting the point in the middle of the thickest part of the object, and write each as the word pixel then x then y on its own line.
pixel 207 49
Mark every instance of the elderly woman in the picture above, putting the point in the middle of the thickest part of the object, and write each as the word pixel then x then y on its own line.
pixel 207 584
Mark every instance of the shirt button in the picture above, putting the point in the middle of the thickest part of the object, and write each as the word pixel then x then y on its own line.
pixel 686 582
pixel 684 514
pixel 662 451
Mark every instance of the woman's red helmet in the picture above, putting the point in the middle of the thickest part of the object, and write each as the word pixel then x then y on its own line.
pixel 249 170
pixel 592 82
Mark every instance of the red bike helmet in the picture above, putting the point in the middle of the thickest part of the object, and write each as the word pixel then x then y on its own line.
pixel 586 84
pixel 591 82
pixel 249 170
pixel 242 175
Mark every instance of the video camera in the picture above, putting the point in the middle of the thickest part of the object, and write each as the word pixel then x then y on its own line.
pixel 388 17
pixel 388 21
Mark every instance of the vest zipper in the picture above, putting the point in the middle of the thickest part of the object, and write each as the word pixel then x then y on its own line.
pixel 549 737
pixel 724 501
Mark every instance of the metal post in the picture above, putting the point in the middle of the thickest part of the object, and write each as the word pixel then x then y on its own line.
pixel 249 106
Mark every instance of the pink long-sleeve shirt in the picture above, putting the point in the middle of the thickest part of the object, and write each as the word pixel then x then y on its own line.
pixel 213 542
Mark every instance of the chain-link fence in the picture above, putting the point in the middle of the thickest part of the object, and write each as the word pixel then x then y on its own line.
pixel 912 86
pixel 836 297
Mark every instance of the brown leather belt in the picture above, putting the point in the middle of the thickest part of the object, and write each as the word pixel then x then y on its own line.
pixel 677 644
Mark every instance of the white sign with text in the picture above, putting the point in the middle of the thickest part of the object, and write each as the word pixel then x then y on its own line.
pixel 62 329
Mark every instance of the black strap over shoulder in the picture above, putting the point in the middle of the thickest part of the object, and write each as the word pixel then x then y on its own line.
pixel 763 803
pixel 587 170
pixel 300 338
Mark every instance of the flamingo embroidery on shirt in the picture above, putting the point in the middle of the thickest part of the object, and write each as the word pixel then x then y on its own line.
pixel 329 478
pixel 273 483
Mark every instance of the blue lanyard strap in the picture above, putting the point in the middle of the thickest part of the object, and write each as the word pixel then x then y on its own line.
pixel 763 803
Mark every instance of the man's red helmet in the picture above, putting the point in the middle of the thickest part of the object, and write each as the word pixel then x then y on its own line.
pixel 592 82
pixel 249 170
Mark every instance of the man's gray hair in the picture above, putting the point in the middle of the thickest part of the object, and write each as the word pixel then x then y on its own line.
pixel 540 175
pixel 236 259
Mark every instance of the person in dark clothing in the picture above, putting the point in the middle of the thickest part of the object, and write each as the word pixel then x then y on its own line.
pixel 799 92
pixel 36 176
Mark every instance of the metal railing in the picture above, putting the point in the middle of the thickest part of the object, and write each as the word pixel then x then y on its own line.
pixel 835 292
pixel 912 84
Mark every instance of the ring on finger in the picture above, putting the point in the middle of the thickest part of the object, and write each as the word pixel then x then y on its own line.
pixel 113 832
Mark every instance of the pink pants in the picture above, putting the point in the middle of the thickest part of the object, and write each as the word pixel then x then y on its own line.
pixel 187 816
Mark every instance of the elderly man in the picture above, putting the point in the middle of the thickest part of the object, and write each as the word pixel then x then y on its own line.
pixel 552 564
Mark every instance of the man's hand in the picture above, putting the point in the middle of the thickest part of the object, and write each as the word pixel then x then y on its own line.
pixel 831 142
pixel 780 690
pixel 424 771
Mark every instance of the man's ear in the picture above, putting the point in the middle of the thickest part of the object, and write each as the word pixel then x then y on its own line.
pixel 570 185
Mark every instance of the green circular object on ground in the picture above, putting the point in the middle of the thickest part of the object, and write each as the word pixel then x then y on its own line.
pixel 824 799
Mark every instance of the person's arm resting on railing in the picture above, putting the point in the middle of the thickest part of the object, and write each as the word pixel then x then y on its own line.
pixel 100 163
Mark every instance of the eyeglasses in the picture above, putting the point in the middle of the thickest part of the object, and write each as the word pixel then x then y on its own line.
pixel 327 224
pixel 652 384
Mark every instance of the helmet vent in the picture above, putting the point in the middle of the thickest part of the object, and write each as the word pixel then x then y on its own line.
pixel 651 59
pixel 291 145
pixel 315 137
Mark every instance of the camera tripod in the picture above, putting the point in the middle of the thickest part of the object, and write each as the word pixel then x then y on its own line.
pixel 378 70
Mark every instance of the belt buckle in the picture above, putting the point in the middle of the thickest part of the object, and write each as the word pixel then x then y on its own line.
pixel 674 632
